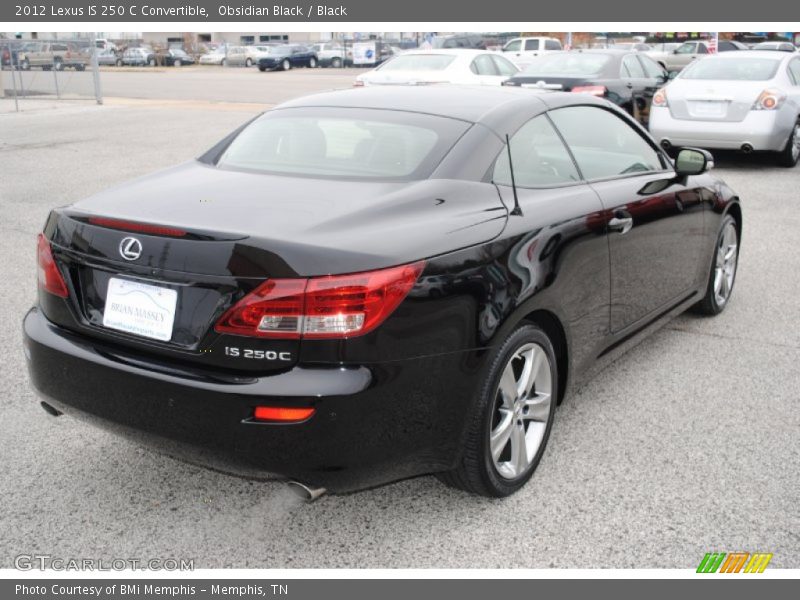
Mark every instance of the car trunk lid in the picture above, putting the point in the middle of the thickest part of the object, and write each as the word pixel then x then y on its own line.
pixel 722 101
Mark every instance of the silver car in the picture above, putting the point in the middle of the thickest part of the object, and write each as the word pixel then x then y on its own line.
pixel 738 101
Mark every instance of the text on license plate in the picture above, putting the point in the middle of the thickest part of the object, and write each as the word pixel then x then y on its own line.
pixel 140 309
pixel 708 109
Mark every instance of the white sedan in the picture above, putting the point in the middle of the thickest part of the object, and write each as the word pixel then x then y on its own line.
pixel 426 67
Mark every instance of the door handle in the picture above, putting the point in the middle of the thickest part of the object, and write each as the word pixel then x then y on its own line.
pixel 621 225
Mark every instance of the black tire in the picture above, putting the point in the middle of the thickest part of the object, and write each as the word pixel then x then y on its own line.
pixel 786 158
pixel 336 63
pixel 151 62
pixel 709 305
pixel 312 63
pixel 476 472
pixel 119 62
pixel 261 68
pixel 286 64
pixel 224 62
pixel 58 65
pixel 25 65
pixel 248 63
pixel 80 67
pixel 177 62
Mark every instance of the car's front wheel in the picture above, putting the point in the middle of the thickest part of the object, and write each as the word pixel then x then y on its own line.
pixel 723 269
pixel 513 417
pixel 790 154
pixel 286 64
pixel 248 63
pixel 312 63
pixel 336 63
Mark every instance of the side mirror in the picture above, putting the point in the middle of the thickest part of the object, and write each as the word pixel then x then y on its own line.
pixel 693 161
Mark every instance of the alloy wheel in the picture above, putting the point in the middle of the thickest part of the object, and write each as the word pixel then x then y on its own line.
pixel 726 260
pixel 796 142
pixel 522 410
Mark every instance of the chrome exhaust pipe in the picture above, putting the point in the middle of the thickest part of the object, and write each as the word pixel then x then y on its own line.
pixel 307 492
pixel 51 410
pixel 747 148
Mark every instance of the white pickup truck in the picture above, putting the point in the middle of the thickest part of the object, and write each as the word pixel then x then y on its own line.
pixel 523 50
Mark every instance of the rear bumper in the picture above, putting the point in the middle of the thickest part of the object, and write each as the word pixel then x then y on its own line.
pixel 763 130
pixel 373 424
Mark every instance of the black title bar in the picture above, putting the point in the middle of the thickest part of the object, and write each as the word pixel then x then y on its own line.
pixel 468 11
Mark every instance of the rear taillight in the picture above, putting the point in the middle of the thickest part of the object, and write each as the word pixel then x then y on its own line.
pixel 137 227
pixel 50 279
pixel 592 90
pixel 769 99
pixel 282 414
pixel 660 97
pixel 336 306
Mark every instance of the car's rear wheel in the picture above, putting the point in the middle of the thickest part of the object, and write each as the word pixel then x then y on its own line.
pixel 152 62
pixel 261 68
pixel 723 269
pixel 119 62
pixel 248 63
pixel 336 63
pixel 286 65
pixel 312 63
pixel 513 417
pixel 177 62
pixel 789 156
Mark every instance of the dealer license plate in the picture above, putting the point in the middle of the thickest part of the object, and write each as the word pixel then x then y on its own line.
pixel 139 308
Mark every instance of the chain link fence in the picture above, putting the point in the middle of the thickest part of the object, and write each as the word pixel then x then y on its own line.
pixel 49 69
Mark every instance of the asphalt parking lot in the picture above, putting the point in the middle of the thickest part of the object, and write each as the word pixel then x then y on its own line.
pixel 687 444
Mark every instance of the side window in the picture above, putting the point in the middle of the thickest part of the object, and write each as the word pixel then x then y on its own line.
pixel 504 66
pixel 632 68
pixel 794 71
pixel 540 157
pixel 604 145
pixel 687 48
pixel 513 46
pixel 702 49
pixel 531 44
pixel 552 45
pixel 652 68
pixel 483 65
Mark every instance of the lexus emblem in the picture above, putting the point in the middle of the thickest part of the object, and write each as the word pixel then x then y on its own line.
pixel 130 248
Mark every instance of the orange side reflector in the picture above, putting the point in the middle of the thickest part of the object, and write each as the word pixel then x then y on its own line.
pixel 276 413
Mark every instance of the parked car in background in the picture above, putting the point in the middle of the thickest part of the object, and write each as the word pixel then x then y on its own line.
pixel 747 101
pixel 109 57
pixel 658 52
pixel 781 46
pixel 332 54
pixel 523 50
pixel 634 46
pixel 470 41
pixel 245 56
pixel 426 67
pixel 54 55
pixel 175 57
pixel 629 79
pixel 104 44
pixel 287 56
pixel 215 57
pixel 139 57
pixel 689 51
pixel 11 54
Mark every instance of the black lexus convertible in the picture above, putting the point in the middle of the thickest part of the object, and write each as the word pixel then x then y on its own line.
pixel 368 285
